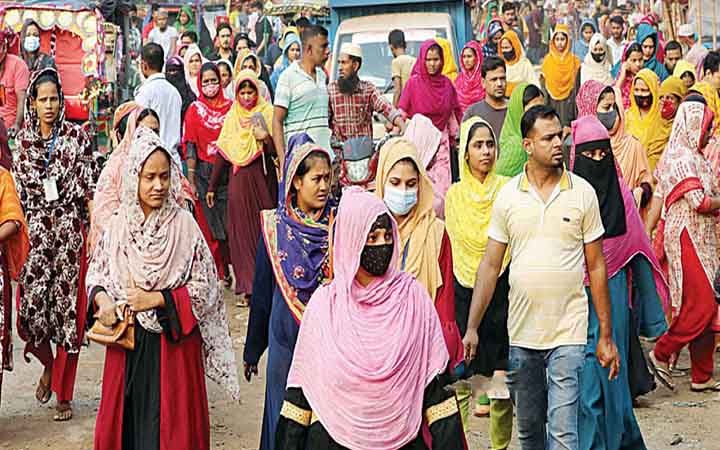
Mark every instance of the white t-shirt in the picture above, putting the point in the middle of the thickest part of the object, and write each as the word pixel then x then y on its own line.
pixel 164 38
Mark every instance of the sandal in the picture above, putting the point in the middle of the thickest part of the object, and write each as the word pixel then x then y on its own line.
pixel 228 280
pixel 243 301
pixel 709 386
pixel 64 412
pixel 43 393
pixel 663 375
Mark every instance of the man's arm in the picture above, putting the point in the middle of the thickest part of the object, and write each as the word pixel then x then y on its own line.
pixel 19 115
pixel 397 90
pixel 485 281
pixel 278 133
pixel 606 351
pixel 381 105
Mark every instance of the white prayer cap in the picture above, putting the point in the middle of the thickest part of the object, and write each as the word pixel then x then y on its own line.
pixel 351 49
pixel 686 30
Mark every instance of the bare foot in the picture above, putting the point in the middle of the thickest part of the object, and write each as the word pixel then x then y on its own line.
pixel 64 412
pixel 43 392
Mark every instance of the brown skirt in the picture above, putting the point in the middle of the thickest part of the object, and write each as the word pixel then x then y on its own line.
pixel 250 191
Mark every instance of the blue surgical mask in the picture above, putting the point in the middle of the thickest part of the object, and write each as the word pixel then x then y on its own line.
pixel 400 202
pixel 31 43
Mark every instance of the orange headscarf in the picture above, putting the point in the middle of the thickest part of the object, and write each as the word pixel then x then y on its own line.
pixel 16 248
pixel 560 68
pixel 519 69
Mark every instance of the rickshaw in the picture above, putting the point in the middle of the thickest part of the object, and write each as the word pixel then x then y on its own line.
pixel 86 52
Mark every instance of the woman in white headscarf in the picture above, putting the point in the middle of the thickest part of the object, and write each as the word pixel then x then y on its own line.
pixel 597 64
pixel 192 62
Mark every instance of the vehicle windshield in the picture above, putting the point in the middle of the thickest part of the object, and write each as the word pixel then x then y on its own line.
pixel 377 58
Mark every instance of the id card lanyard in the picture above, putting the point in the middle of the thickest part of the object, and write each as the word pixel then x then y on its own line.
pixel 49 183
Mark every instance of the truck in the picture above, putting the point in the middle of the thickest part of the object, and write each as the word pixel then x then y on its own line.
pixel 368 22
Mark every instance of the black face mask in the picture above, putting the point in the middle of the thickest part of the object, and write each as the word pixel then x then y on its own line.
pixel 375 259
pixel 598 57
pixel 509 56
pixel 602 175
pixel 607 119
pixel 643 101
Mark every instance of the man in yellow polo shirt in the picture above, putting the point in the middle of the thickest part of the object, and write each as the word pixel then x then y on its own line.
pixel 551 220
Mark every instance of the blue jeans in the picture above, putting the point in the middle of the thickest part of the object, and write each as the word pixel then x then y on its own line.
pixel 544 386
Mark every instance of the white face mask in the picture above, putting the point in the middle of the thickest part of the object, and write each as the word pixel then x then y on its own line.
pixel 31 43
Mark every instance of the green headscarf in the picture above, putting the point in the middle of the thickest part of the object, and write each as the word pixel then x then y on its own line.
pixel 187 9
pixel 512 154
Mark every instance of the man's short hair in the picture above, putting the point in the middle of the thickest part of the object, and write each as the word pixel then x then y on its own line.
pixel 303 22
pixel 673 45
pixel 258 4
pixel 396 39
pixel 192 35
pixel 491 63
pixel 223 26
pixel 712 62
pixel 162 12
pixel 508 6
pixel 618 20
pixel 312 31
pixel 533 114
pixel 154 56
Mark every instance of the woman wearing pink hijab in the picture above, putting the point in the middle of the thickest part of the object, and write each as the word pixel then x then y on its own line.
pixel 469 84
pixel 432 94
pixel 375 335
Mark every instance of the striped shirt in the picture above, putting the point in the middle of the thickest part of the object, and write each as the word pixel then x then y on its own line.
pixel 306 101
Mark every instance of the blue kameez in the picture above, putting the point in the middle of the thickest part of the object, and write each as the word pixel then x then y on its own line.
pixel 606 417
pixel 271 327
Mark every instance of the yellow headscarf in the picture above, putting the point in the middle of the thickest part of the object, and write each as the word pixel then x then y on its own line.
pixel 519 69
pixel 644 128
pixel 560 68
pixel 421 233
pixel 468 207
pixel 682 67
pixel 659 136
pixel 237 142
pixel 710 94
pixel 450 69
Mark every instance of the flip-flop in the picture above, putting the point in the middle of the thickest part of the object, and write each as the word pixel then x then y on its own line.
pixel 43 393
pixel 60 414
pixel 709 386
pixel 662 375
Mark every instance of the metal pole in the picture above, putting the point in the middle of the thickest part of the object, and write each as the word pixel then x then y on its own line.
pixel 714 25
pixel 699 24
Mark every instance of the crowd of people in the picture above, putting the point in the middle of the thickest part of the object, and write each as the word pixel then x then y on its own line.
pixel 531 218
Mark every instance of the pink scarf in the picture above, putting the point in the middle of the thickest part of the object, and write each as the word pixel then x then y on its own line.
pixel 431 95
pixel 620 250
pixel 107 196
pixel 469 85
pixel 365 355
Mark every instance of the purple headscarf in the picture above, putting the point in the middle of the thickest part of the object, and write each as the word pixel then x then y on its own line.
pixel 302 242
pixel 433 96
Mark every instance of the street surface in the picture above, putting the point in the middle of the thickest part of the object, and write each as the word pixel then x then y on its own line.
pixel 668 421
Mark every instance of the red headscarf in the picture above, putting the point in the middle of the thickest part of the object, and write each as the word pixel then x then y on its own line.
pixel 468 84
pixel 433 96
pixel 205 117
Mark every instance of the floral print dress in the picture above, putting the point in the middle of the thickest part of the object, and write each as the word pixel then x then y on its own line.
pixel 50 280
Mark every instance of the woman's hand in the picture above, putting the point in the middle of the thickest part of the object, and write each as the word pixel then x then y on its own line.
pixel 141 300
pixel 106 309
pixel 210 199
pixel 260 133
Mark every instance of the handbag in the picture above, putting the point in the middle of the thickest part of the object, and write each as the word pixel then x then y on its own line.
pixel 121 334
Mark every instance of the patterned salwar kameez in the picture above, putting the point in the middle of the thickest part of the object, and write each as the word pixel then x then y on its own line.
pixel 52 305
